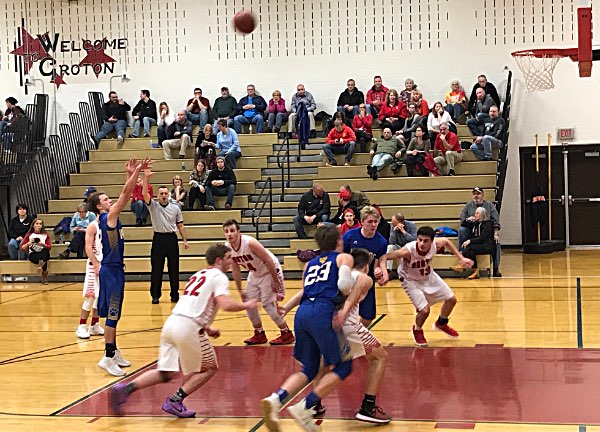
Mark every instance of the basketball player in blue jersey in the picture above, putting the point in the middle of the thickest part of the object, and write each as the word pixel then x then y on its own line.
pixel 111 270
pixel 324 278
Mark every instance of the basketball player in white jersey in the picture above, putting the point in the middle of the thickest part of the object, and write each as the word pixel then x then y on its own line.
pixel 265 282
pixel 362 342
pixel 424 286
pixel 184 343
pixel 91 285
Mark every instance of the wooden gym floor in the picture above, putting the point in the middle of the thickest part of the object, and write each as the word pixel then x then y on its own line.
pixel 515 367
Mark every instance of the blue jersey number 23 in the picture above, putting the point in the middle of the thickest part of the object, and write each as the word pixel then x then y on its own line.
pixel 317 273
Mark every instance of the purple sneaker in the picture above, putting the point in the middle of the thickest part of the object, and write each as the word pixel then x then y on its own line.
pixel 177 409
pixel 117 397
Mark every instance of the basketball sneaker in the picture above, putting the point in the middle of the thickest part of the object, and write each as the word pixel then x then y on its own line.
pixel 177 409
pixel 285 338
pixel 304 416
pixel 446 329
pixel 117 397
pixel 82 332
pixel 376 416
pixel 419 337
pixel 96 330
pixel 258 338
pixel 271 406
pixel 320 411
pixel 120 360
pixel 110 365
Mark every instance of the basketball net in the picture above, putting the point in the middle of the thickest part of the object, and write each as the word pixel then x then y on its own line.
pixel 537 71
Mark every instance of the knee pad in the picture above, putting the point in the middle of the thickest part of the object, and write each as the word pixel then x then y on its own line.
pixel 111 323
pixel 272 311
pixel 88 303
pixel 343 369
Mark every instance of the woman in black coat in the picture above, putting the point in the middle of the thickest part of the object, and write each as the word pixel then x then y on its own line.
pixel 481 241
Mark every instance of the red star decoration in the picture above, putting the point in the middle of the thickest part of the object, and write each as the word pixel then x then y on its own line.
pixel 96 57
pixel 58 80
pixel 31 50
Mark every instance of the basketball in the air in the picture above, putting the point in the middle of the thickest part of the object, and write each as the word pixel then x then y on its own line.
pixel 244 21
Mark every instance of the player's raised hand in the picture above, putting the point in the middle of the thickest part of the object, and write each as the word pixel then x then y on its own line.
pixel 131 166
pixel 212 332
pixel 147 163
pixel 383 277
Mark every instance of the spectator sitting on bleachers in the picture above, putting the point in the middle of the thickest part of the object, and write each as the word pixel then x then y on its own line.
pixel 143 113
pixel 480 242
pixel 344 204
pixel 489 89
pixel 411 123
pixel 401 233
pixel 221 182
pixel 480 113
pixel 393 112
pixel 137 203
pixel 350 99
pixel 447 151
pixel 384 151
pixel 340 140
pixel 383 226
pixel 417 151
pixel 456 100
pixel 406 94
pixel 178 192
pixel 228 144
pixel 277 112
pixel 338 115
pixel 436 117
pixel 357 198
pixel 166 117
pixel 79 223
pixel 17 228
pixel 376 96
pixel 114 113
pixel 224 107
pixel 250 109
pixel 492 136
pixel 179 136
pixel 363 127
pixel 12 110
pixel 205 146
pixel 314 208
pixel 302 96
pixel 350 221
pixel 420 104
pixel 468 215
pixel 197 109
pixel 198 185
pixel 37 244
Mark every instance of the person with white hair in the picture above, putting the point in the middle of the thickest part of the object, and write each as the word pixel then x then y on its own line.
pixel 481 241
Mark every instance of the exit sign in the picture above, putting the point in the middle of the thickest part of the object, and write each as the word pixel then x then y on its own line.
pixel 565 134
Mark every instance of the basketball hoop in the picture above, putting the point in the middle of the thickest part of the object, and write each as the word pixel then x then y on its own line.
pixel 537 66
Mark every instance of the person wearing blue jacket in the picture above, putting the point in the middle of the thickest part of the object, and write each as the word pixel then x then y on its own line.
pixel 250 110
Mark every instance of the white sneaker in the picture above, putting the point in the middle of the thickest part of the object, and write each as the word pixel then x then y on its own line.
pixel 96 330
pixel 304 416
pixel 82 332
pixel 120 360
pixel 110 365
pixel 271 407
pixel 120 140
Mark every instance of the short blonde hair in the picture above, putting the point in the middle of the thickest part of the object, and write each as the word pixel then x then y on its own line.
pixel 177 177
pixel 276 92
pixel 369 211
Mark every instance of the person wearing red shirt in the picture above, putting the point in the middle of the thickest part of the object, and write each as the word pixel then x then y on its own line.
pixel 393 112
pixel 362 125
pixel 446 152
pixel 197 109
pixel 350 221
pixel 340 140
pixel 277 112
pixel 137 203
pixel 420 103
pixel 376 96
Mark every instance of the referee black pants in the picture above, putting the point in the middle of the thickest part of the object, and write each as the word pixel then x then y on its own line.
pixel 164 245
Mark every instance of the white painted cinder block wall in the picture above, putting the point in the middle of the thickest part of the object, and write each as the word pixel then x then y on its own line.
pixel 177 45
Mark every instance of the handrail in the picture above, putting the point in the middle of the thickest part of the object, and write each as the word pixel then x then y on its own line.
pixel 503 154
pixel 269 198
pixel 280 164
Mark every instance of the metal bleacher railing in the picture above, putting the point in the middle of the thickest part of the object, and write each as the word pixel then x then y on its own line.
pixel 503 155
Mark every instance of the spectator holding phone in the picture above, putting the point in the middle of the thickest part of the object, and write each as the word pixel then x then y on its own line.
pixel 37 244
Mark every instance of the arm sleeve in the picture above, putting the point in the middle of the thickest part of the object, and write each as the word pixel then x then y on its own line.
pixel 153 110
pixel 326 210
pixel 464 214
pixel 136 108
pixel 261 104
pixel 188 128
pixel 430 122
pixel 494 217
pixel 340 101
pixel 312 104
pixel 302 206
pixel 330 139
pixel 106 113
pixel 411 231
pixel 484 235
pixel 370 96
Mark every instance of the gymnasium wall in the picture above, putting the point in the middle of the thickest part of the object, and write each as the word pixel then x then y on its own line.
pixel 171 47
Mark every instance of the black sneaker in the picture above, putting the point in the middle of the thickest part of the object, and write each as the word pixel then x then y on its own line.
pixel 155 301
pixel 369 170
pixel 497 274
pixel 319 411
pixel 376 416
pixel 132 135
pixel 451 173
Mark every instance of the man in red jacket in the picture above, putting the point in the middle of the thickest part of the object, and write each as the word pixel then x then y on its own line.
pixel 376 96
pixel 340 140
pixel 446 151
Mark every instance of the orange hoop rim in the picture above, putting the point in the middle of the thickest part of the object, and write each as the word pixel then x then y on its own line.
pixel 572 53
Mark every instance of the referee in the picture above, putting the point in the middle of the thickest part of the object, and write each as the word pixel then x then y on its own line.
pixel 166 220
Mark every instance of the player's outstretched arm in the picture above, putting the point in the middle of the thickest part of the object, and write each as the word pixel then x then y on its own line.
pixel 394 255
pixel 230 305
pixel 237 278
pixel 345 262
pixel 446 243
pixel 90 233
pixel 291 303
pixel 133 170
pixel 146 183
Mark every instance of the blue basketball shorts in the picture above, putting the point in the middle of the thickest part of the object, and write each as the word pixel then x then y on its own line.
pixel 112 290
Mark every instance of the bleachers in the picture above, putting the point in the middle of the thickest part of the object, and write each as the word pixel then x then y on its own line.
pixel 432 201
